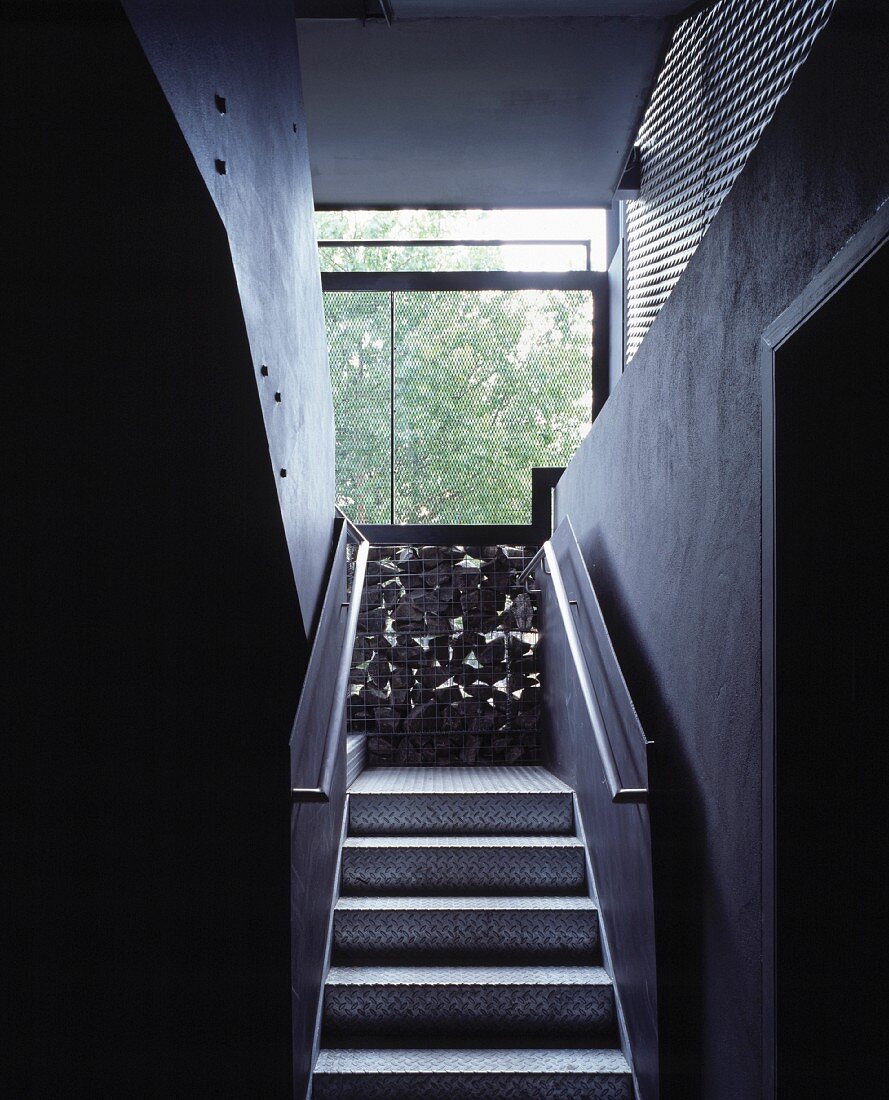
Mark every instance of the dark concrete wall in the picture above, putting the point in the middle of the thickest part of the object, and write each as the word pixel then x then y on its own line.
pixel 246 52
pixel 664 495
pixel 157 647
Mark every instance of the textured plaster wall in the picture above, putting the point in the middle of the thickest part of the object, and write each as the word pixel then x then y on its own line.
pixel 246 52
pixel 664 495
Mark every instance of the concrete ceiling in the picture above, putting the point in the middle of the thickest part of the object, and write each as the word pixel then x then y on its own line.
pixel 489 9
pixel 530 9
pixel 478 112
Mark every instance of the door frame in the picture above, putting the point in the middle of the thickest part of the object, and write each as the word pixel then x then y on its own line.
pixel 851 258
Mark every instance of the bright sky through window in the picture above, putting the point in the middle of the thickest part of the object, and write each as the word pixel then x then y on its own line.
pixel 582 224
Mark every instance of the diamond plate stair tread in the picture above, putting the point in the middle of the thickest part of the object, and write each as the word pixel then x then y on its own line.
pixel 482 800
pixel 468 975
pixel 510 901
pixel 466 864
pixel 451 865
pixel 465 1000
pixel 462 842
pixel 481 780
pixel 521 1060
pixel 467 1074
pixel 461 813
pixel 507 928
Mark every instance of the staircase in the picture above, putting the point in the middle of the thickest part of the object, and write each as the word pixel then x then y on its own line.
pixel 466 959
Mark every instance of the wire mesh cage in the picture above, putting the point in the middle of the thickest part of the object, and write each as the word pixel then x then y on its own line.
pixel 444 670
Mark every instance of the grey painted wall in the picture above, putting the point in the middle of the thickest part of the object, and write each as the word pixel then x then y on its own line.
pixel 475 112
pixel 246 51
pixel 665 497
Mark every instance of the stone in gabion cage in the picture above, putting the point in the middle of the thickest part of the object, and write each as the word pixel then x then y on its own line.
pixel 444 670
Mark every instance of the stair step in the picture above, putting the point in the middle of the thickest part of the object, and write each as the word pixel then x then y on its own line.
pixel 468 1000
pixel 456 865
pixel 459 801
pixel 566 1074
pixel 522 929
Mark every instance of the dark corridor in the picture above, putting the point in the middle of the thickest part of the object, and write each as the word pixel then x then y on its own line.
pixel 830 555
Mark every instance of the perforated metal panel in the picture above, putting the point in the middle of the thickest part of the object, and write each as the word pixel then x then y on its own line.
pixel 725 73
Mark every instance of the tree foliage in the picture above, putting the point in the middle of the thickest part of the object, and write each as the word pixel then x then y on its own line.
pixel 487 384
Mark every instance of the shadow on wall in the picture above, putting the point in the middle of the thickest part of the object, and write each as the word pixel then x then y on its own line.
pixel 161 629
pixel 678 840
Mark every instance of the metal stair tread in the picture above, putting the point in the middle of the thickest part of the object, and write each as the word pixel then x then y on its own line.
pixel 468 975
pixel 495 841
pixel 503 901
pixel 513 779
pixel 521 1060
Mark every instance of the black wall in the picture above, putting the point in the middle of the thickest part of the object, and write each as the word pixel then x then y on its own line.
pixel 831 844
pixel 664 495
pixel 157 646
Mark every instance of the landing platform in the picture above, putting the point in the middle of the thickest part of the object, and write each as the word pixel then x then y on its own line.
pixel 512 779
pixel 473 801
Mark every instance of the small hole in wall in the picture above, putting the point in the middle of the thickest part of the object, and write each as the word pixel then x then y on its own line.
pixel 296 128
pixel 283 472
pixel 220 103
pixel 264 371
pixel 220 166
pixel 278 397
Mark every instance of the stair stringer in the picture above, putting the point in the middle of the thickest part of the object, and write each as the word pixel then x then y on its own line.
pixel 603 942
pixel 328 949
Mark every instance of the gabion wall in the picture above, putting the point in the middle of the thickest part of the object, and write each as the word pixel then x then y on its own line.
pixel 444 669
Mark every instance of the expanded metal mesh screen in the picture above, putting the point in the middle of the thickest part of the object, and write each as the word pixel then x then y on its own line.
pixel 726 70
pixel 486 385
pixel 358 336
pixel 444 669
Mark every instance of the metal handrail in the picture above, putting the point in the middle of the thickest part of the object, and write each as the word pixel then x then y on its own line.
pixel 336 723
pixel 619 793
pixel 356 536
pixel 531 566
